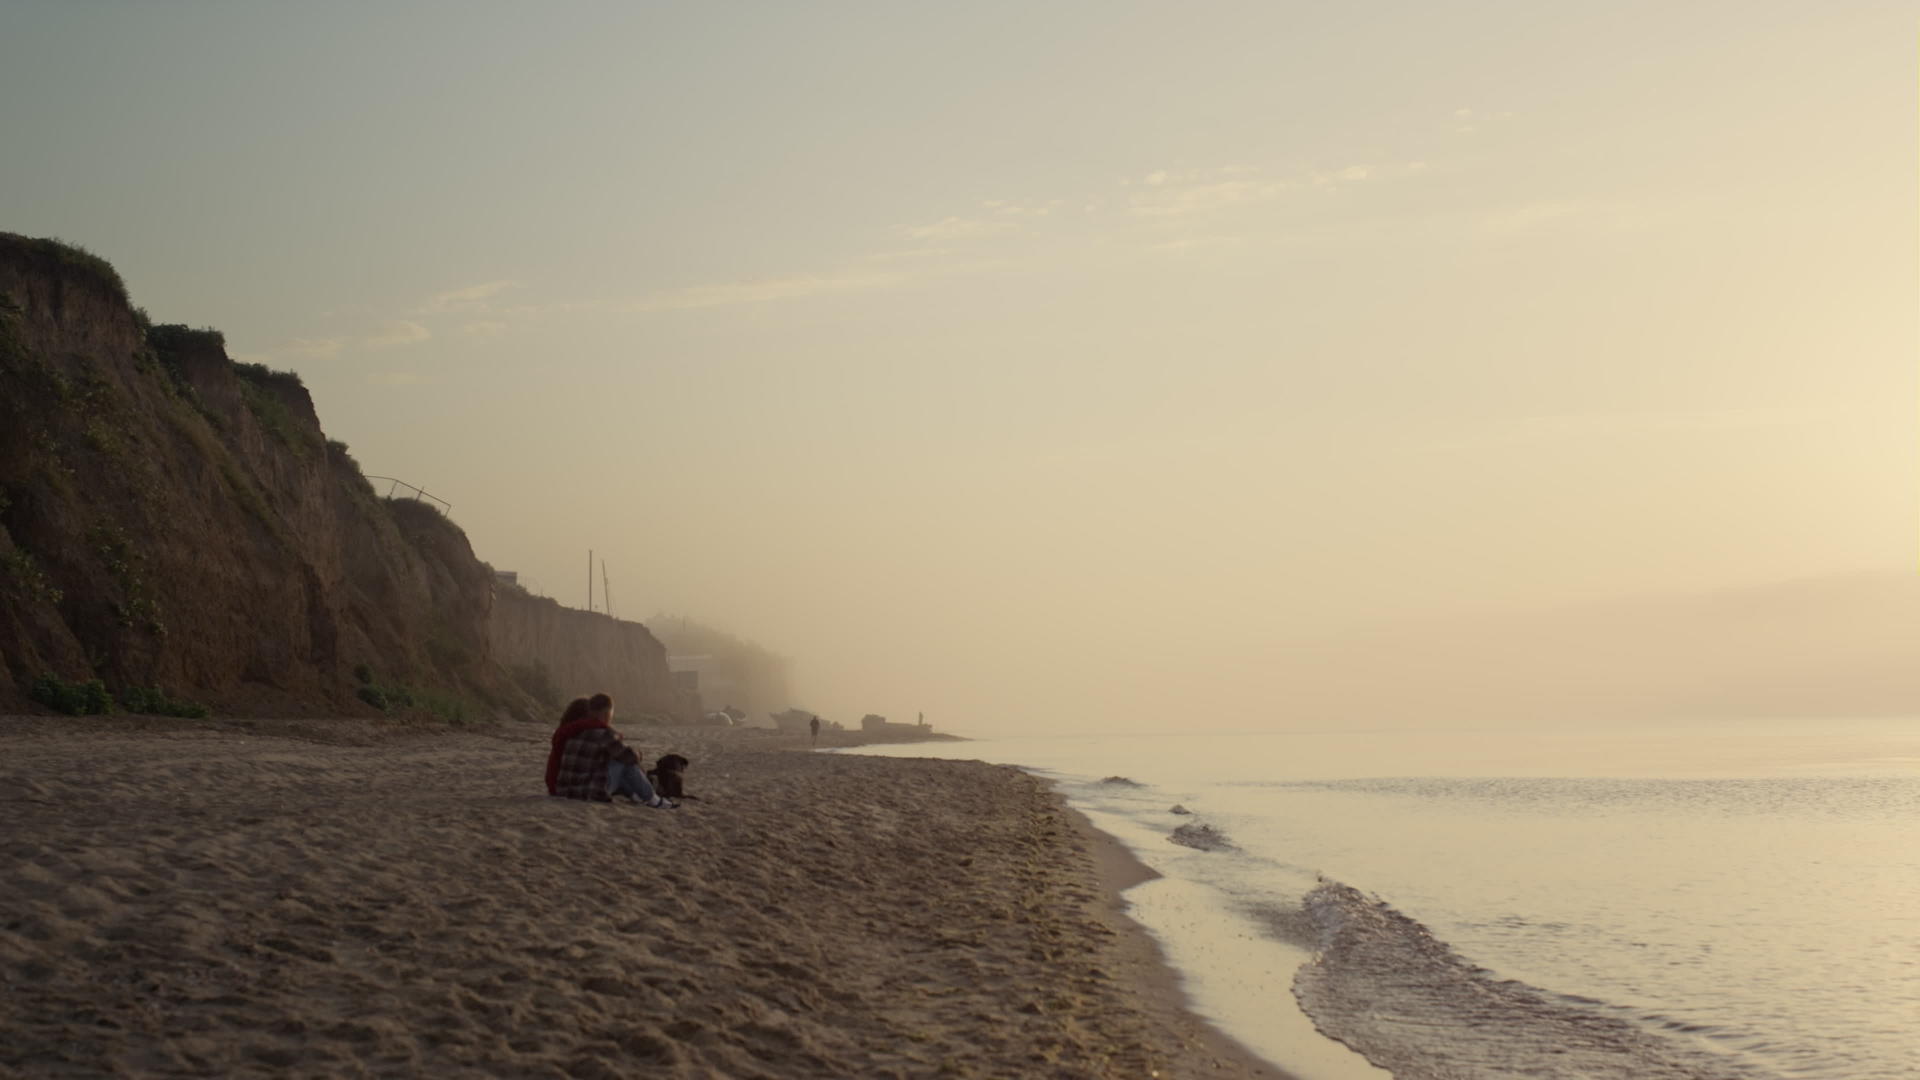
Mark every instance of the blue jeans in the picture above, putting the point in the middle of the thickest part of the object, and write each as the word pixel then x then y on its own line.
pixel 625 779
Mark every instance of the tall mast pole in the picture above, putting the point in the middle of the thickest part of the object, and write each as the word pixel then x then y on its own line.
pixel 606 590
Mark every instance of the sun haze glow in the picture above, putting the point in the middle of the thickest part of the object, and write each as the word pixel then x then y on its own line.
pixel 1079 365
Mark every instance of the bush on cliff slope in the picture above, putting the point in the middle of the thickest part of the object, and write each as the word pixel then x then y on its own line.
pixel 88 698
pixel 49 252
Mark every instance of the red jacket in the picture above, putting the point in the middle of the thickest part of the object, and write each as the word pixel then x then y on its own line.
pixel 560 737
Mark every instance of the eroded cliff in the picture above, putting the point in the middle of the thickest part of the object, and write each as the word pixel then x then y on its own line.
pixel 576 653
pixel 169 518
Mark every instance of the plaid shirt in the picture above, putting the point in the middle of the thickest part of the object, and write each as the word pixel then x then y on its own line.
pixel 583 763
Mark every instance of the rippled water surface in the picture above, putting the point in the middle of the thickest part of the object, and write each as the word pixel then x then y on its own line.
pixel 1727 901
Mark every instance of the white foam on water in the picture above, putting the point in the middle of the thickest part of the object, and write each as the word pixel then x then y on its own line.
pixel 1236 973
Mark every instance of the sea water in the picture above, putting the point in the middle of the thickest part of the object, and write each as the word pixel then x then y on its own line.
pixel 1719 900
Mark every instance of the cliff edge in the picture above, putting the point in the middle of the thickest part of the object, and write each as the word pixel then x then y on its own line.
pixel 171 519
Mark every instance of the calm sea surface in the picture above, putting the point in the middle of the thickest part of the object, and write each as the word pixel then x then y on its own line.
pixel 1728 900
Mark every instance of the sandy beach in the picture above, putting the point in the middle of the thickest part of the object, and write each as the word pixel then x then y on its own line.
pixel 323 898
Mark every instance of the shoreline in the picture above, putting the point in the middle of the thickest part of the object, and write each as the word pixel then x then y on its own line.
pixel 1231 982
pixel 245 897
pixel 1155 978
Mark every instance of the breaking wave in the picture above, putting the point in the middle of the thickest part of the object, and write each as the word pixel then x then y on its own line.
pixel 1201 837
pixel 1385 986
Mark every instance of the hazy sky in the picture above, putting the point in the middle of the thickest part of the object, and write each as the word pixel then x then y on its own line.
pixel 1063 363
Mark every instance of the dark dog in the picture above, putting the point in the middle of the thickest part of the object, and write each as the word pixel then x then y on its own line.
pixel 668 776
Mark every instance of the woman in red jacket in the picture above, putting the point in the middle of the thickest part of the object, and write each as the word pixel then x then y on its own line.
pixel 590 760
pixel 572 722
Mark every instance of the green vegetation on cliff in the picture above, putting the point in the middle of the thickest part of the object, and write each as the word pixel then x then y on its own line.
pixel 60 253
pixel 171 518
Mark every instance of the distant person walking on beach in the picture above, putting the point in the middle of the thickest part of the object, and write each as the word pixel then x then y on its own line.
pixel 813 725
pixel 589 759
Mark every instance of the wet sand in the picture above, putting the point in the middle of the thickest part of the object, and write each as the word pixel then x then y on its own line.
pixel 337 899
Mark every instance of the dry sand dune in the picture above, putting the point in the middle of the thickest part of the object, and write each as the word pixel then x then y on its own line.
pixel 212 902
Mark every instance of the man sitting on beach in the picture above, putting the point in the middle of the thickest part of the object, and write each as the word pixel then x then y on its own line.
pixel 590 760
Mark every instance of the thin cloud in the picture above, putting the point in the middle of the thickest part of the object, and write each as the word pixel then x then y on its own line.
pixel 1157 204
pixel 1166 194
pixel 1199 243
pixel 884 270
pixel 727 294
pixel 397 332
pixel 483 330
pixel 956 228
pixel 908 254
pixel 1549 214
pixel 296 349
pixel 1004 209
pixel 465 299
pixel 397 378
pixel 1659 421
pixel 1608 426
pixel 1178 201
pixel 1468 121
pixel 1352 174
pixel 311 348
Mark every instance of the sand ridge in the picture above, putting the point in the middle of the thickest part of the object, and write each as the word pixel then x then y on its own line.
pixel 216 903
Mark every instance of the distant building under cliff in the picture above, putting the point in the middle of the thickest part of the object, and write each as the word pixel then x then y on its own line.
pixel 732 670
pixel 703 676
pixel 874 724
pixel 800 722
pixel 793 721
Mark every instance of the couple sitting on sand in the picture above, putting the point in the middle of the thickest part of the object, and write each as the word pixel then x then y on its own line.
pixel 590 760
